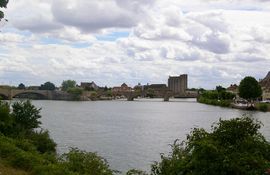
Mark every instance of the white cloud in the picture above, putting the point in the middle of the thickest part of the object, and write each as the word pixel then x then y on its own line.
pixel 214 42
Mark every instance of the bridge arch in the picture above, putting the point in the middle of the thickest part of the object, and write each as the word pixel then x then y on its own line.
pixel 31 94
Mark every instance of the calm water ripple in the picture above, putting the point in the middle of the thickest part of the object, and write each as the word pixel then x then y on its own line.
pixel 131 134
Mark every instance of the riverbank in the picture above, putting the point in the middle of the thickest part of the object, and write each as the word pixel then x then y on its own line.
pixel 264 107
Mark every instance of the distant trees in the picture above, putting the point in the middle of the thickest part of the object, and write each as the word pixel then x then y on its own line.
pixel 249 88
pixel 68 84
pixel 47 86
pixel 220 89
pixel 21 86
pixel 3 4
pixel 76 92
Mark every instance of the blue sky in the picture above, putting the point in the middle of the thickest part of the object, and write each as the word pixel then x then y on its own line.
pixel 215 42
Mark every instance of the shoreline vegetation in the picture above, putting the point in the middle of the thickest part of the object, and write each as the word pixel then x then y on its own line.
pixel 245 97
pixel 229 103
pixel 231 147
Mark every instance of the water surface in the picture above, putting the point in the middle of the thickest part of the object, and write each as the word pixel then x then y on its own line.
pixel 131 134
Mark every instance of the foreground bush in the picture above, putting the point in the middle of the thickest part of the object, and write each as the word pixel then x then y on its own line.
pixel 23 147
pixel 232 147
pixel 88 163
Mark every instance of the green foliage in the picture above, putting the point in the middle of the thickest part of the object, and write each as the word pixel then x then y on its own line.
pixel 150 93
pixel 5 119
pixel 215 95
pixel 263 107
pixel 11 151
pixel 21 146
pixel 136 172
pixel 47 86
pixel 76 92
pixel 42 141
pixel 249 88
pixel 88 163
pixel 25 117
pixel 67 84
pixel 3 4
pixel 222 103
pixel 220 89
pixel 221 98
pixel 21 86
pixel 233 147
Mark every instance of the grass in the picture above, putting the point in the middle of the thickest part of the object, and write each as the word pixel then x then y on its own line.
pixel 7 170
pixel 263 107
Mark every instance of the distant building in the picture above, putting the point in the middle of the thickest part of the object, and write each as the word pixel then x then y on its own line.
pixel 233 89
pixel 265 84
pixel 178 84
pixel 123 88
pixel 89 86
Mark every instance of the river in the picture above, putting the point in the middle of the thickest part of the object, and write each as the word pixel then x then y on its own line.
pixel 131 134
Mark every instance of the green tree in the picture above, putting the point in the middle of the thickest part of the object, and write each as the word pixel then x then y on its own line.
pixel 47 86
pixel 232 147
pixel 249 88
pixel 3 4
pixel 21 86
pixel 68 84
pixel 25 117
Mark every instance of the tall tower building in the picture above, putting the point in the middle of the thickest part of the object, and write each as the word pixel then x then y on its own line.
pixel 178 84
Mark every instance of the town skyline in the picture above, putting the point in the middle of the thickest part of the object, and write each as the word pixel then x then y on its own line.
pixel 214 42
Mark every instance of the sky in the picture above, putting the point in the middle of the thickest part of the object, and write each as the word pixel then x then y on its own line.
pixel 215 42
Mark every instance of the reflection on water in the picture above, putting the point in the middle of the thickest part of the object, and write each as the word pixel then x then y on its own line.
pixel 131 134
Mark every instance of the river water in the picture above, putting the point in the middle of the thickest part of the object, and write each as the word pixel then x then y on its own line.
pixel 131 134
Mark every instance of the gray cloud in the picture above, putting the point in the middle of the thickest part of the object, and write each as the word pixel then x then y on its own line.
pixel 91 16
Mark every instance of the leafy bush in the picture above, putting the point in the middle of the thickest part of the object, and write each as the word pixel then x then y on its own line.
pixel 223 103
pixel 88 163
pixel 233 147
pixel 76 92
pixel 5 119
pixel 43 142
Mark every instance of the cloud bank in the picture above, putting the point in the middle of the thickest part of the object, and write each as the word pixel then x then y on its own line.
pixel 115 41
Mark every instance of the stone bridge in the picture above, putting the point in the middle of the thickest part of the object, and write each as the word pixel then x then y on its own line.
pixel 8 94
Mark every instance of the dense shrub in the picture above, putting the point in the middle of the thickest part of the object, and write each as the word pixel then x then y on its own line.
pixel 215 95
pixel 233 147
pixel 42 141
pixel 75 92
pixel 5 119
pixel 223 103
pixel 23 147
pixel 88 163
